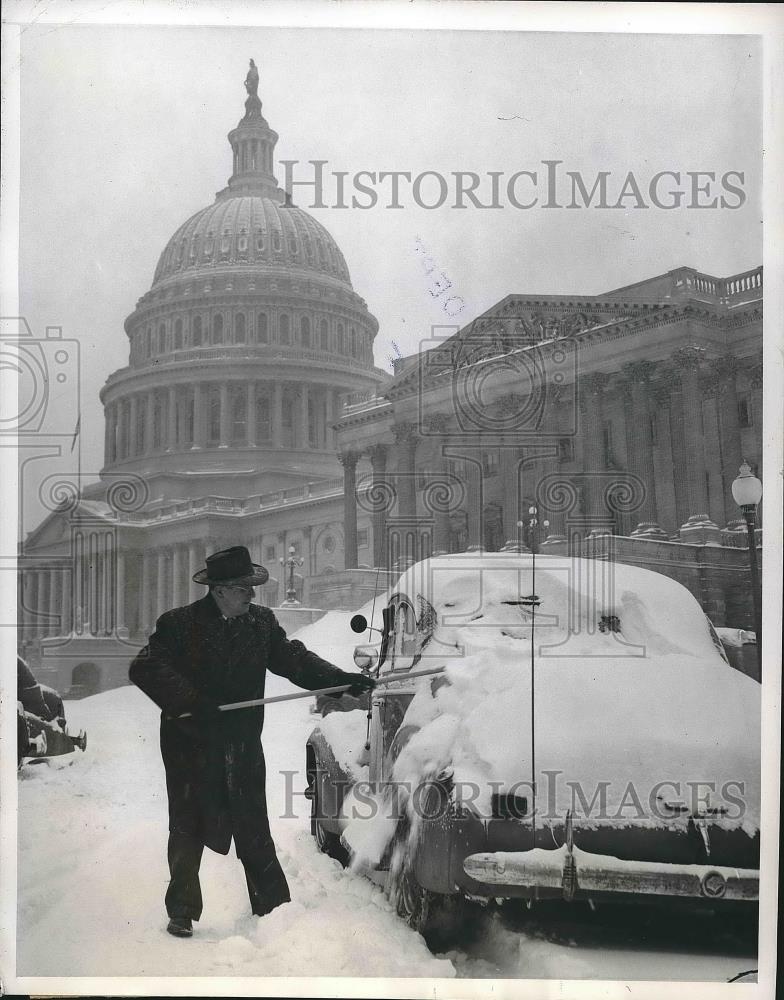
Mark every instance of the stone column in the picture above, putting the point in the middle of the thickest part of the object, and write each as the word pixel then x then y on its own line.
pixel 107 435
pixel 162 603
pixel 133 437
pixel 198 417
pixel 348 459
pixel 178 576
pixel 304 437
pixel 710 390
pixel 688 360
pixel 171 442
pixel 639 444
pixel 277 414
pixel 379 499
pixel 143 438
pixel 147 596
pixel 725 370
pixel 119 590
pixel 122 425
pixel 194 565
pixel 40 603
pixel 250 418
pixel 591 389
pixel 335 415
pixel 406 440
pixel 67 589
pixel 755 381
pixel 53 603
pixel 225 432
pixel 663 458
pixel 99 571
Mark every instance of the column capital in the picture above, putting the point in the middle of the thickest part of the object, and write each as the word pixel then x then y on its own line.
pixel 405 432
pixel 637 373
pixel 348 459
pixel 688 358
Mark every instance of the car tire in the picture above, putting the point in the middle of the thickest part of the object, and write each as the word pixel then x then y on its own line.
pixel 327 842
pixel 437 917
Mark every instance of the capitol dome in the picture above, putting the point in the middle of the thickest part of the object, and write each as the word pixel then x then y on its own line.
pixel 255 231
pixel 244 348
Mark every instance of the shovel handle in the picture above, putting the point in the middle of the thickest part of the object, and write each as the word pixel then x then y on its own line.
pixel 257 702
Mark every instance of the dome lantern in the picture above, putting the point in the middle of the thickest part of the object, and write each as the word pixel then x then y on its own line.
pixel 253 146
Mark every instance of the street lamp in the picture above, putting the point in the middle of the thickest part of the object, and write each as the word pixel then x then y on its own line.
pixel 747 493
pixel 292 562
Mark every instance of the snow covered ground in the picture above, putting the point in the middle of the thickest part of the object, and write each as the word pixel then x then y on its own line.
pixel 92 875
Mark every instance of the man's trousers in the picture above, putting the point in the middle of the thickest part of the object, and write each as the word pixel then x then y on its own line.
pixel 267 886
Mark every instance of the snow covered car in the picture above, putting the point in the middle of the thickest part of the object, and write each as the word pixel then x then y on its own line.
pixel 40 719
pixel 557 728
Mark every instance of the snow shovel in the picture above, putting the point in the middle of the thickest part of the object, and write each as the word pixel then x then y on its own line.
pixel 256 702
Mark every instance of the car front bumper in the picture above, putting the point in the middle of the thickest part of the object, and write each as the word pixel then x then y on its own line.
pixel 581 873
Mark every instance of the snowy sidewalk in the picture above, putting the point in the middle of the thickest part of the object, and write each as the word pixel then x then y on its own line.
pixel 92 869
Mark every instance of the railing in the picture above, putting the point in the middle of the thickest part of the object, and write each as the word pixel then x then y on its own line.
pixel 723 288
pixel 229 505
pixel 740 284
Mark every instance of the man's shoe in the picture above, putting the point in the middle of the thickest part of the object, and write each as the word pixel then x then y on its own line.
pixel 180 927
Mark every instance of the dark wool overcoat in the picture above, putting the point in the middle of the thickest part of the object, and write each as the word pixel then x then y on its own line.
pixel 215 774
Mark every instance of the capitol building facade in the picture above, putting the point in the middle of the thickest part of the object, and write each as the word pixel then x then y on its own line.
pixel 251 412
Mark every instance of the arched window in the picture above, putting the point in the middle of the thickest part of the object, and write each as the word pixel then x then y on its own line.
pixel 196 335
pixel 217 328
pixel 304 331
pixel 161 339
pixel 293 247
pixel 225 242
pixel 341 339
pixel 324 335
pixel 209 245
pixel 178 334
pixel 242 241
pixel 284 331
pixel 262 328
pixel 276 241
pixel 239 328
pixel 259 240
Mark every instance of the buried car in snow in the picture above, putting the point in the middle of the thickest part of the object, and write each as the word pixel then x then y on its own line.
pixel 548 728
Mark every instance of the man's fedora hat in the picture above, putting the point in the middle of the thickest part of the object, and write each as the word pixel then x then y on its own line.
pixel 232 566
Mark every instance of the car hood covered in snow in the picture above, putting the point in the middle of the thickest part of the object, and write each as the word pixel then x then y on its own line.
pixel 630 700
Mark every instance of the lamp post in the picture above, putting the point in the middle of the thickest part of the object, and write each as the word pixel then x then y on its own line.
pixel 292 562
pixel 747 493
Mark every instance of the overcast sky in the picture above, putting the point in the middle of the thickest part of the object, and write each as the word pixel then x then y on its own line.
pixel 124 137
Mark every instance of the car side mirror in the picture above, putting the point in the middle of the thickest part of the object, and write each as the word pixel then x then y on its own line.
pixel 358 624
pixel 366 657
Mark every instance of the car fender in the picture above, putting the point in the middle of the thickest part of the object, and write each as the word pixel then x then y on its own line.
pixel 326 776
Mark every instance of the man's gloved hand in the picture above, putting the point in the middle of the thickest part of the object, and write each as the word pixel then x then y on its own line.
pixel 358 683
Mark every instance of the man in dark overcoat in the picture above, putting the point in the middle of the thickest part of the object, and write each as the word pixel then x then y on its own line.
pixel 213 652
